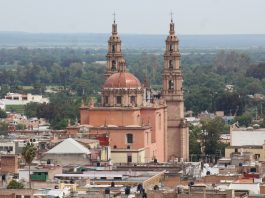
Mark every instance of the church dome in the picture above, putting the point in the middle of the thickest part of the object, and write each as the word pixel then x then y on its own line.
pixel 122 80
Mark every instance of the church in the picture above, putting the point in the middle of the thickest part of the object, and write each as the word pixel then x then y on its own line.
pixel 141 127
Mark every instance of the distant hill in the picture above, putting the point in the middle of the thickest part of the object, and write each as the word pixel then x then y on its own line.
pixel 15 39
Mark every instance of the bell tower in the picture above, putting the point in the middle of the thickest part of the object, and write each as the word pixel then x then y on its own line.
pixel 177 129
pixel 114 56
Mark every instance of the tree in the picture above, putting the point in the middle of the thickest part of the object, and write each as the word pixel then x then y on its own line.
pixel 256 71
pixel 59 124
pixel 244 120
pixel 3 128
pixel 211 130
pixel 29 153
pixel 31 109
pixel 230 103
pixel 194 137
pixel 20 126
pixel 15 185
pixel 2 114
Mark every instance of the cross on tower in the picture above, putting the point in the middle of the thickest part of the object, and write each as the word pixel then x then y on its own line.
pixel 114 16
pixel 171 16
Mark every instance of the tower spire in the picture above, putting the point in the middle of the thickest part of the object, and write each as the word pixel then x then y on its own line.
pixel 114 17
pixel 114 56
pixel 114 25
pixel 172 25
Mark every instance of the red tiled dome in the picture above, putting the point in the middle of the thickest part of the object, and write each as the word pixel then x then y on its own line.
pixel 122 80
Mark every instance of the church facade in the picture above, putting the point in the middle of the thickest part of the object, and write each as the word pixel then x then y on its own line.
pixel 141 127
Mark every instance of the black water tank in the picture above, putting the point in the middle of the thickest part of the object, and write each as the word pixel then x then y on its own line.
pixel 107 191
pixel 127 190
pixel 139 187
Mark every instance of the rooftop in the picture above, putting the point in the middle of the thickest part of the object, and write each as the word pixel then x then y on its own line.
pixel 69 146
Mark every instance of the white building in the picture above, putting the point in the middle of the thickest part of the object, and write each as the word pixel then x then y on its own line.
pixel 21 99
pixel 247 137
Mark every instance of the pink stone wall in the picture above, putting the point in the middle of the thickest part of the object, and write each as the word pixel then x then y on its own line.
pixel 156 118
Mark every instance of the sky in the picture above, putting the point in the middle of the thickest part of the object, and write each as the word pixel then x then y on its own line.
pixel 133 16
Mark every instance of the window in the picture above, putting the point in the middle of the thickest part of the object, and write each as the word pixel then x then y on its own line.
pixel 129 138
pixel 132 99
pixel 170 85
pixel 118 98
pixel 106 99
pixel 113 48
pixel 171 48
pixel 257 156
pixel 129 158
pixel 113 65
pixel 159 121
pixel 170 64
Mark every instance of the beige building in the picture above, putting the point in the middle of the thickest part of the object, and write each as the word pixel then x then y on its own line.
pixel 21 99
pixel 247 140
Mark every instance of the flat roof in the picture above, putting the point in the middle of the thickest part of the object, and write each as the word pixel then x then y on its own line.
pixel 247 138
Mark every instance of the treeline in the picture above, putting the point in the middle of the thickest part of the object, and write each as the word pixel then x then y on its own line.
pixel 206 86
pixel 62 109
pixel 72 68
pixel 206 74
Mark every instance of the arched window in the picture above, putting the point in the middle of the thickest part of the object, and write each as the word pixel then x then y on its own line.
pixel 113 65
pixel 170 64
pixel 133 100
pixel 129 138
pixel 171 48
pixel 170 85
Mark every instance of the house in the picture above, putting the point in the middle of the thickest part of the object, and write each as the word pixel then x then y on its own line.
pixel 68 152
